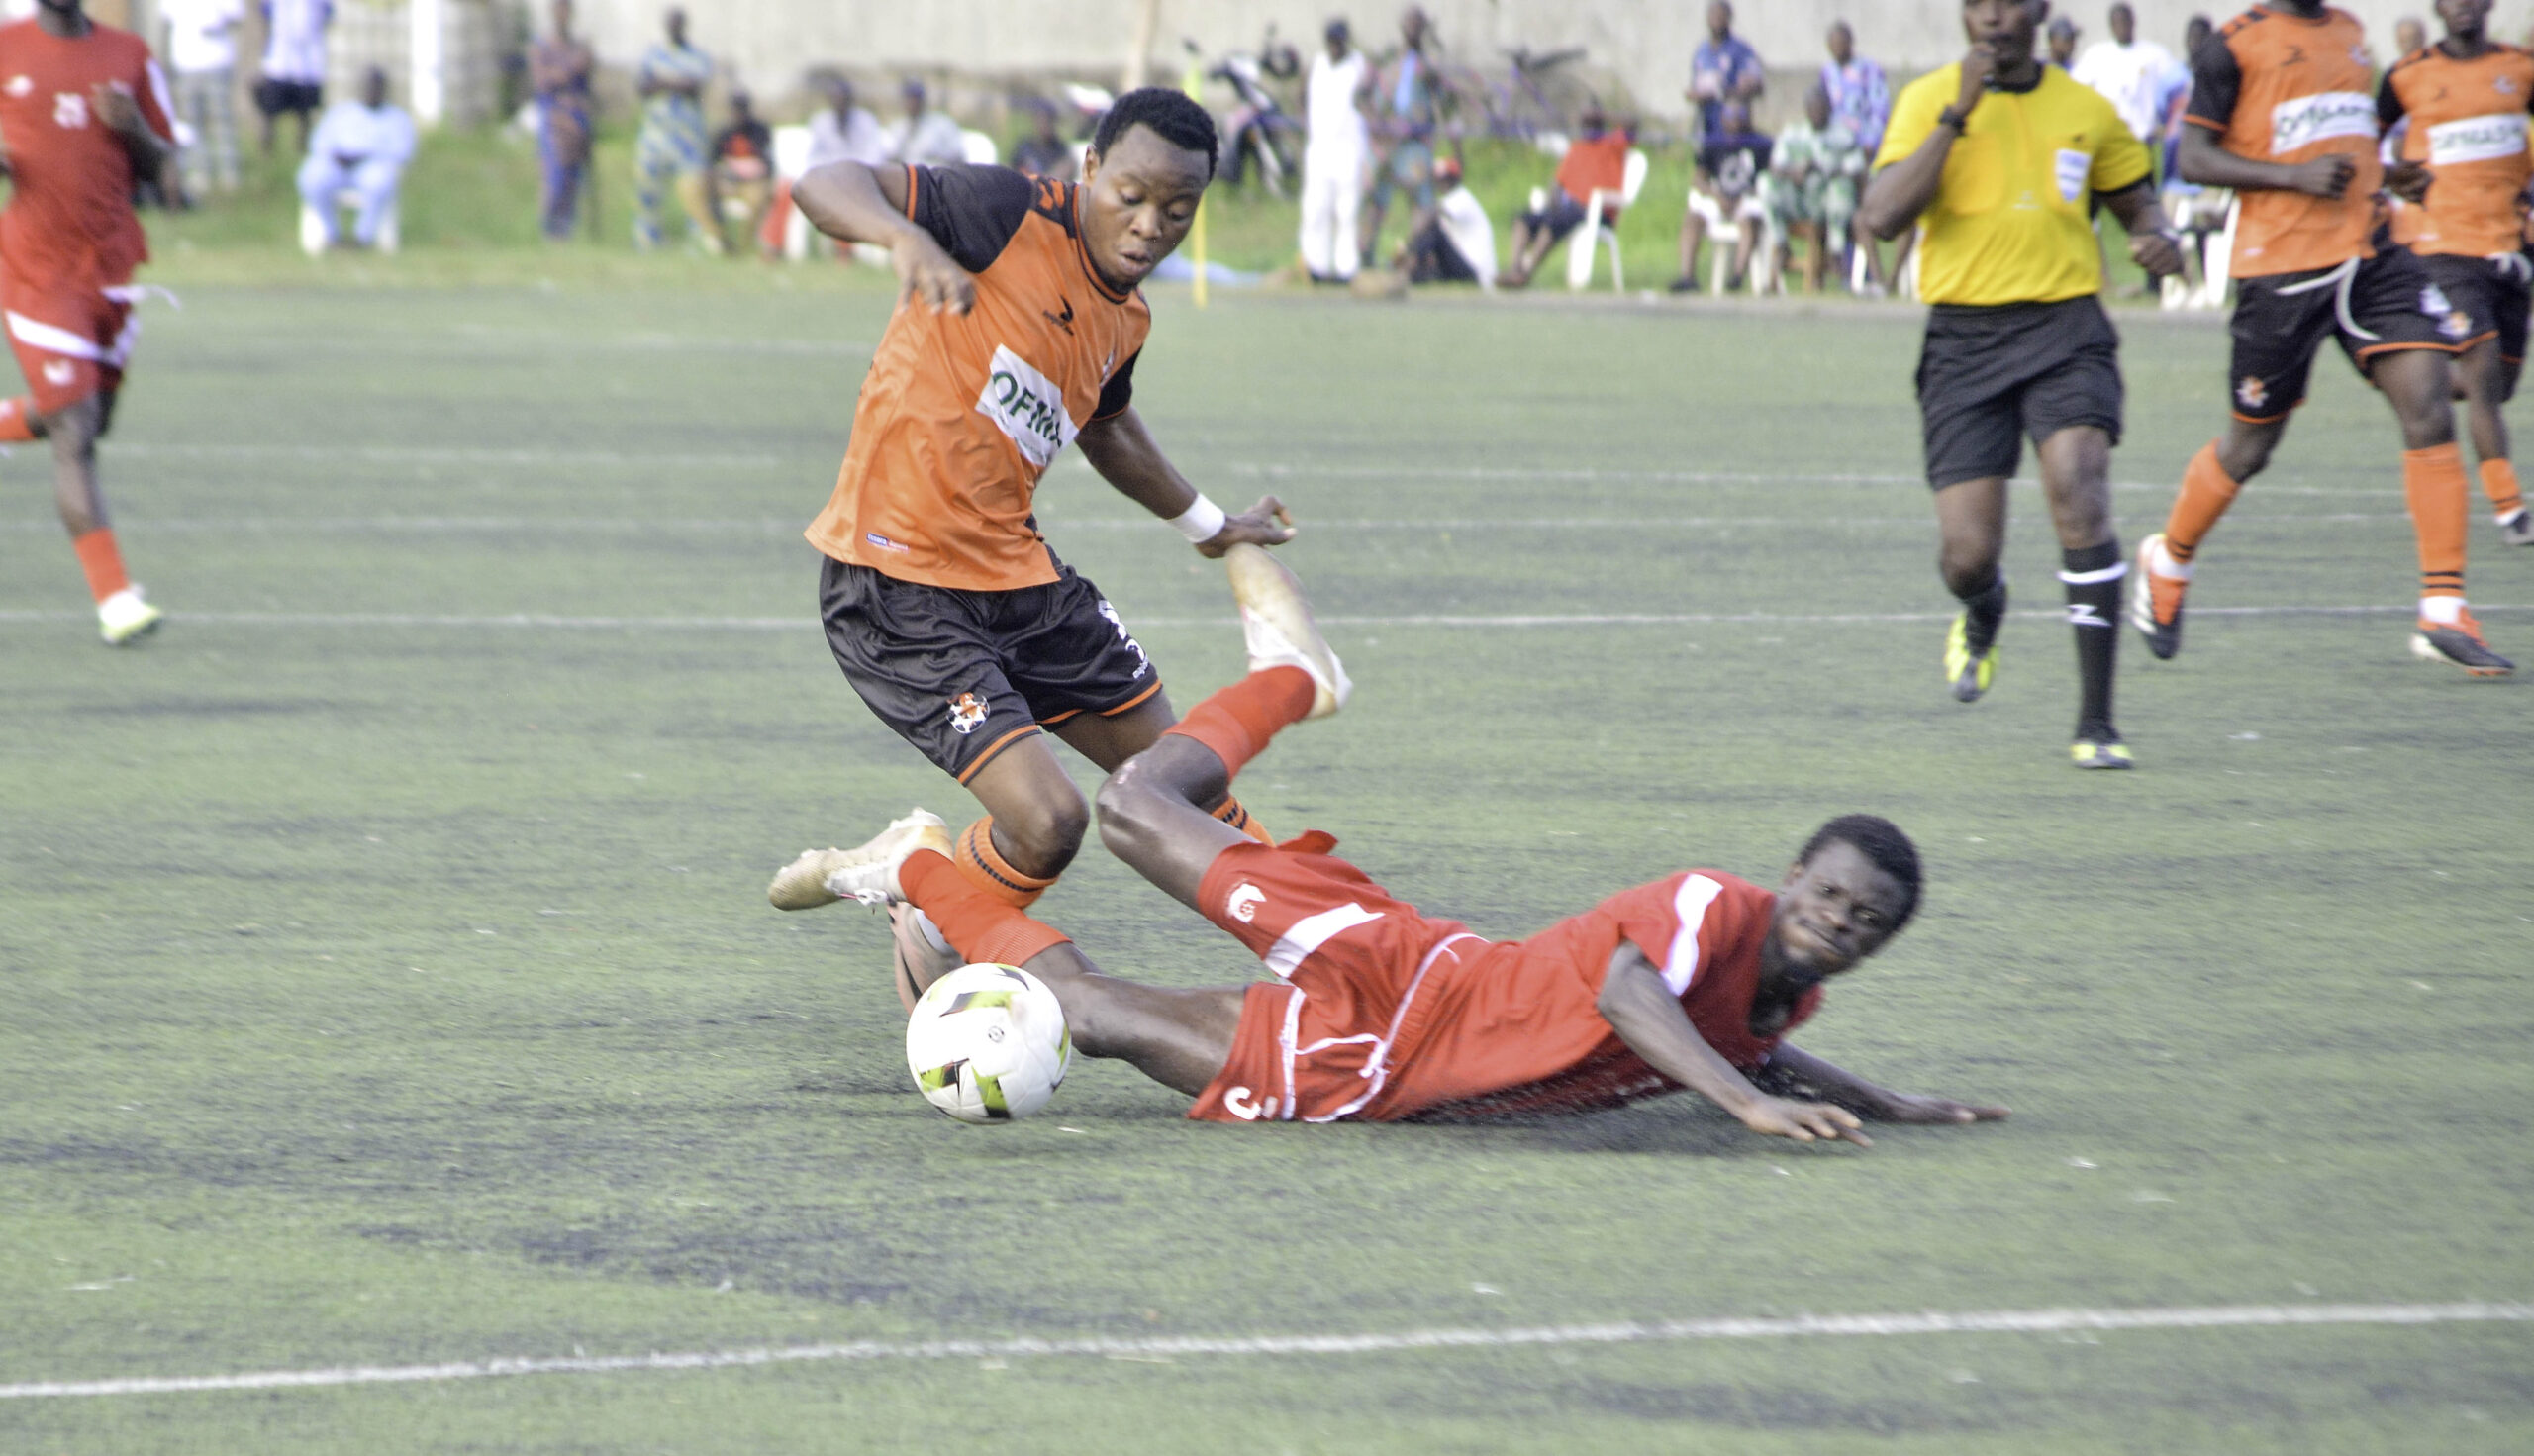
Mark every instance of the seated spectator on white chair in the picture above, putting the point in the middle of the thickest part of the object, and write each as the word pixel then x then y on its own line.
pixel 845 132
pixel 1813 183
pixel 1453 242
pixel 743 162
pixel 1726 195
pixel 1595 161
pixel 1043 154
pixel 359 147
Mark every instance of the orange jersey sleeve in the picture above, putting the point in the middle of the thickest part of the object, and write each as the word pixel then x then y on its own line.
pixel 961 414
pixel 2468 124
pixel 2280 88
pixel 70 225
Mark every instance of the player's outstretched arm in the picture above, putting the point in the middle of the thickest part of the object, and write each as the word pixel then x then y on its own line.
pixel 860 204
pixel 1126 455
pixel 2153 244
pixel 1797 1073
pixel 1648 1018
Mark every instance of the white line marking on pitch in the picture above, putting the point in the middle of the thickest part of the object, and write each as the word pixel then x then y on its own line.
pixel 788 525
pixel 2000 1321
pixel 436 455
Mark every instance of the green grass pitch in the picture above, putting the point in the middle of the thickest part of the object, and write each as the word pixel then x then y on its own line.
pixel 385 977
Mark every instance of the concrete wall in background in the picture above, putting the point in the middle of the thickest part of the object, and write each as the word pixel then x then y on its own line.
pixel 1643 44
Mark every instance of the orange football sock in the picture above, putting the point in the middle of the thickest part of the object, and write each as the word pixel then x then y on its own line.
pixel 1234 813
pixel 989 871
pixel 1238 720
pixel 2207 492
pixel 99 557
pixel 17 419
pixel 2499 482
pixel 980 926
pixel 2441 515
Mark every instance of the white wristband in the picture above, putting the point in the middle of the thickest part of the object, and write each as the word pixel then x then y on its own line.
pixel 1199 523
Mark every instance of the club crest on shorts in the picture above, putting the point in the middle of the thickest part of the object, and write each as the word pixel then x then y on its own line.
pixel 1243 902
pixel 967 714
pixel 2252 394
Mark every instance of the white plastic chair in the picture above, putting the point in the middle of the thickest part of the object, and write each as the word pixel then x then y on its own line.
pixel 1595 230
pixel 312 223
pixel 979 148
pixel 791 159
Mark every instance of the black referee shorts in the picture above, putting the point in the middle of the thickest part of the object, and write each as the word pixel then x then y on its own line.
pixel 964 675
pixel 1992 376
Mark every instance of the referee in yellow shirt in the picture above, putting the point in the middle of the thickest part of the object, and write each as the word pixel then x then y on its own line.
pixel 1999 159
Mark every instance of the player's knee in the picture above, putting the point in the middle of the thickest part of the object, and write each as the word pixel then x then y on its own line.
pixel 1129 809
pixel 1966 566
pixel 1042 835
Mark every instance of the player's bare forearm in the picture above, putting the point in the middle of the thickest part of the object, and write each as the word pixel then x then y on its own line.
pixel 2152 240
pixel 1794 1072
pixel 1649 1018
pixel 1127 455
pixel 860 204
pixel 2200 160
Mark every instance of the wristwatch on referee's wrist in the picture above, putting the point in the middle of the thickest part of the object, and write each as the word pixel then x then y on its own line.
pixel 1950 117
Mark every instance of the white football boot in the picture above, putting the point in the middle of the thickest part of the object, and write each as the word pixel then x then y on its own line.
pixel 124 618
pixel 868 874
pixel 1276 623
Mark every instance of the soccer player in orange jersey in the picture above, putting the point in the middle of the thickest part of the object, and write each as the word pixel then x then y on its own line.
pixel 2463 173
pixel 2280 111
pixel 1017 333
pixel 83 111
pixel 1379 1013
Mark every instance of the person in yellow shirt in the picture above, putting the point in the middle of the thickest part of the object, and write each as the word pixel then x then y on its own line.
pixel 1998 161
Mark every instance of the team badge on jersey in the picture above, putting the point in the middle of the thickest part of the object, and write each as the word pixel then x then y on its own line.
pixel 2252 394
pixel 967 714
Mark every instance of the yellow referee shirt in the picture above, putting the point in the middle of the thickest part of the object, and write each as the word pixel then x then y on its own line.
pixel 2010 224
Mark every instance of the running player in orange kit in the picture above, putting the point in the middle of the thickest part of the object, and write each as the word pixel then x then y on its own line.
pixel 83 111
pixel 1017 333
pixel 2280 111
pixel 2463 172
pixel 1381 1014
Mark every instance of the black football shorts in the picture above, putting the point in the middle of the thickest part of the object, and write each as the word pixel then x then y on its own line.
pixel 1992 376
pixel 2373 306
pixel 963 675
pixel 2490 291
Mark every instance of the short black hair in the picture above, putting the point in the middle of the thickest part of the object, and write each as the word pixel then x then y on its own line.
pixel 1173 116
pixel 1883 845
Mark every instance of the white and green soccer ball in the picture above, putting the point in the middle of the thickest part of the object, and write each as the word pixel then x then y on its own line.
pixel 988 1043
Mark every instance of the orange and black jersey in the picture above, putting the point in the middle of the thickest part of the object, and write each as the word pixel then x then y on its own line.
pixel 961 414
pixel 2468 124
pixel 2285 88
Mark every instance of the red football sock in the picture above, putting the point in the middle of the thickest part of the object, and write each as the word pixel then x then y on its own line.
pixel 2207 492
pixel 2499 482
pixel 99 557
pixel 978 926
pixel 2441 514
pixel 17 419
pixel 990 872
pixel 1238 720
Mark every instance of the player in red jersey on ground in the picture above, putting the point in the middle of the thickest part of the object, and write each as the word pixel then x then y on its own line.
pixel 83 111
pixel 1379 1013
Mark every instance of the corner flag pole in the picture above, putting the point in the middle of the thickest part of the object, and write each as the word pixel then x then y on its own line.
pixel 1193 81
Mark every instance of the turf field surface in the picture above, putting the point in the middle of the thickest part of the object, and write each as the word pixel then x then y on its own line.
pixel 390 983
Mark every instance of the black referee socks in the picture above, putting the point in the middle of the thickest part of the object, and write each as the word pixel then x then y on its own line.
pixel 2092 576
pixel 1987 609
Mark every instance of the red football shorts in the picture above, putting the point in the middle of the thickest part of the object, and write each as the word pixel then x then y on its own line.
pixel 71 343
pixel 1321 1041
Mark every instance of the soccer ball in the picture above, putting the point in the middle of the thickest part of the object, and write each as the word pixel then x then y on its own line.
pixel 988 1043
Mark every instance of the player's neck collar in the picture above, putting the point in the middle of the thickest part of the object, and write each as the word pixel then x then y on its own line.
pixel 2445 45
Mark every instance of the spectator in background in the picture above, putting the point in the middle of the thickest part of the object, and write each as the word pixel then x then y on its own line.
pixel 669 151
pixel 1726 195
pixel 1043 154
pixel 1455 242
pixel 742 171
pixel 2063 41
pixel 1595 161
pixel 2197 213
pixel 2128 72
pixel 1813 178
pixel 558 71
pixel 202 51
pixel 360 146
pixel 1334 154
pixel 1860 94
pixel 2411 33
pixel 845 132
pixel 1724 69
pixel 923 137
pixel 292 77
pixel 1406 109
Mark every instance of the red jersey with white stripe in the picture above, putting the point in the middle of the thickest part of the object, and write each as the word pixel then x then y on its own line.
pixel 69 225
pixel 1379 1012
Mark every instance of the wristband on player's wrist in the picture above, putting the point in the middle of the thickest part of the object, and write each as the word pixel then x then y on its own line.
pixel 1200 522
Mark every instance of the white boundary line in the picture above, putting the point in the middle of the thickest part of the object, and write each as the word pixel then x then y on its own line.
pixel 2000 1321
pixel 788 525
pixel 809 623
pixel 435 455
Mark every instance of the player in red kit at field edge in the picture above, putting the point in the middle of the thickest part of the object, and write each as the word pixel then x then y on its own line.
pixel 1379 1013
pixel 83 109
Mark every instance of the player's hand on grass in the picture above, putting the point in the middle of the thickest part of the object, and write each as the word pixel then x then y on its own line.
pixel 2408 180
pixel 928 275
pixel 1804 1121
pixel 1902 1107
pixel 2159 254
pixel 2323 176
pixel 1267 523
